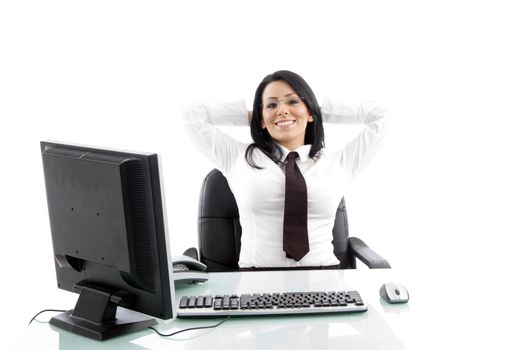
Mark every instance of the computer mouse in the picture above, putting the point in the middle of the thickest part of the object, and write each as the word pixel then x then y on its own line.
pixel 394 293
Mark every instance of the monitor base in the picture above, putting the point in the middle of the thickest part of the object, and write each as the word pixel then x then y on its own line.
pixel 97 314
pixel 126 321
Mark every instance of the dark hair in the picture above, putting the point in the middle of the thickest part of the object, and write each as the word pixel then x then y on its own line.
pixel 313 134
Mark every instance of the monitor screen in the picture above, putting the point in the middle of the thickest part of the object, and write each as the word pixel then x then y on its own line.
pixel 109 242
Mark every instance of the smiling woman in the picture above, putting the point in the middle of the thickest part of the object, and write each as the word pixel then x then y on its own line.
pixel 286 184
pixel 285 117
pixel 286 113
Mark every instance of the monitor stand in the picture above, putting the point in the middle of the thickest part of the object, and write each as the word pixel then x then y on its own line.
pixel 98 316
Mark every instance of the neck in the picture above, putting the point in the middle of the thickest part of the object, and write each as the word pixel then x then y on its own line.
pixel 291 146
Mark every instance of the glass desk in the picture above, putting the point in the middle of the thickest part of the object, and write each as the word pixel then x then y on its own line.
pixel 383 326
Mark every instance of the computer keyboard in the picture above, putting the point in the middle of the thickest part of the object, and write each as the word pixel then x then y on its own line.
pixel 294 303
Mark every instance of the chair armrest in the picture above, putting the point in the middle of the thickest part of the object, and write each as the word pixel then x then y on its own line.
pixel 192 253
pixel 367 255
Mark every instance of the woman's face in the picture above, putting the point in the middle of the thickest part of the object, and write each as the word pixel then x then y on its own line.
pixel 285 115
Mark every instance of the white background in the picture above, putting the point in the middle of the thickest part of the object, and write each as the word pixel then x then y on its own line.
pixel 444 199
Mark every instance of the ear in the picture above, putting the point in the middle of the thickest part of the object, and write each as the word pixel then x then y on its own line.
pixel 263 126
pixel 310 119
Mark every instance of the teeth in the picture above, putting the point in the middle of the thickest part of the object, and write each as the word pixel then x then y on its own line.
pixel 285 123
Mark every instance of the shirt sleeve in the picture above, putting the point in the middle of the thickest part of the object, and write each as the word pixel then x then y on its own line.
pixel 357 152
pixel 201 121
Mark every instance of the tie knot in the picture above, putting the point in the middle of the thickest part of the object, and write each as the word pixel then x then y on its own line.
pixel 292 156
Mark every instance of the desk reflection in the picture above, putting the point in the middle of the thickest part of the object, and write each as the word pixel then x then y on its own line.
pixel 68 341
pixel 363 331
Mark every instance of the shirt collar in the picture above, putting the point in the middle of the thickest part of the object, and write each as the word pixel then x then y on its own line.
pixel 303 152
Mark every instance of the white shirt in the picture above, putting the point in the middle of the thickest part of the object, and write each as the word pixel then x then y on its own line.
pixel 260 193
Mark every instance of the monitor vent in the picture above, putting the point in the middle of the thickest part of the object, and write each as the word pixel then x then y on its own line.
pixel 140 223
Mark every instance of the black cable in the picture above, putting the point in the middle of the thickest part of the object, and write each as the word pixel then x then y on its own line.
pixel 189 329
pixel 46 310
pixel 156 331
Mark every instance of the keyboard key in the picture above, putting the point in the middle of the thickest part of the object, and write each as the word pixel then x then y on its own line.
pixel 191 302
pixel 208 301
pixel 183 303
pixel 200 302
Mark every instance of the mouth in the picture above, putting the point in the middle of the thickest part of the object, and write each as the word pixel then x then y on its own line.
pixel 283 124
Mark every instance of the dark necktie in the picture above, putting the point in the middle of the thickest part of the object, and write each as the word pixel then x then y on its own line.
pixel 295 234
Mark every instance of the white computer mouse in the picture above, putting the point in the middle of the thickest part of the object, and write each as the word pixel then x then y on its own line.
pixel 394 293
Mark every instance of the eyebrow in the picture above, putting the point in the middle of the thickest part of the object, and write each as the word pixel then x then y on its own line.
pixel 275 98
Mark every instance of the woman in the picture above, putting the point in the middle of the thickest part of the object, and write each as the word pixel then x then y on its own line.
pixel 286 118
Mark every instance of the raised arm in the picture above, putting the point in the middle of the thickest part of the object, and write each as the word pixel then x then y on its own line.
pixel 356 152
pixel 201 121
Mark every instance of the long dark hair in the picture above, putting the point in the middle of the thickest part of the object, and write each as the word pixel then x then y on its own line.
pixel 313 134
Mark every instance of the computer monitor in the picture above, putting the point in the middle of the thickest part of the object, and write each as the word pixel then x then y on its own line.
pixel 109 241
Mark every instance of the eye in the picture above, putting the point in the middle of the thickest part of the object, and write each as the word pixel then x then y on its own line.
pixel 294 101
pixel 271 105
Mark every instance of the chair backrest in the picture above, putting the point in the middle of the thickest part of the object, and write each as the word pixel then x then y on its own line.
pixel 219 231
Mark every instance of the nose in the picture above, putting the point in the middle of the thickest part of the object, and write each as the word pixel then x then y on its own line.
pixel 282 108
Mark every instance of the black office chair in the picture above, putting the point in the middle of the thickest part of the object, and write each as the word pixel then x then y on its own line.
pixel 219 231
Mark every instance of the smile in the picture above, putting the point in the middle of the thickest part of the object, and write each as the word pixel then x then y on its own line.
pixel 284 123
